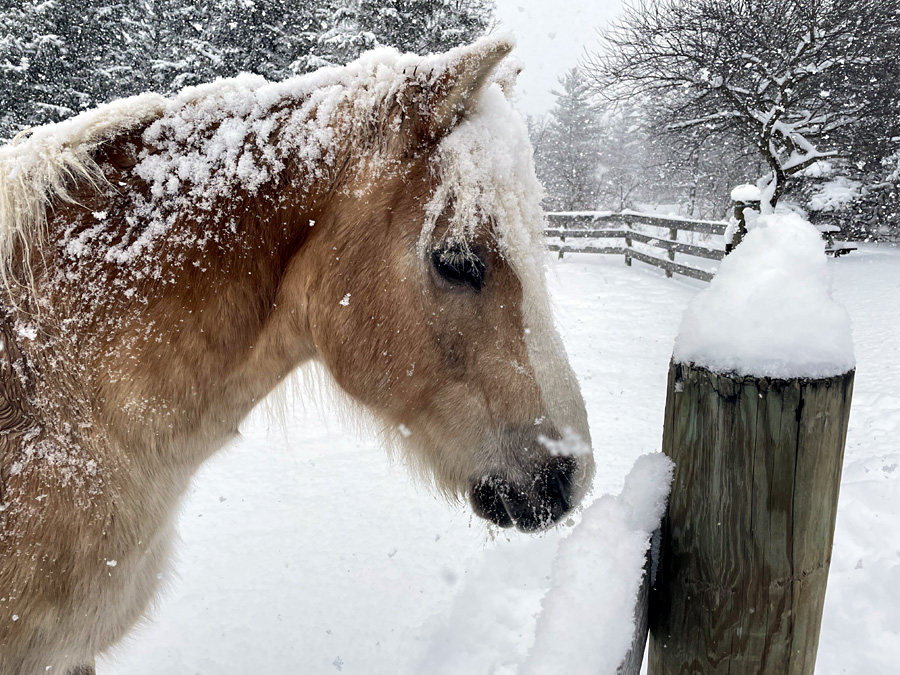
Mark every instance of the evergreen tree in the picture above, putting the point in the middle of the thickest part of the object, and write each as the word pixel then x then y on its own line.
pixel 568 163
pixel 58 57
pixel 269 37
pixel 624 174
pixel 424 27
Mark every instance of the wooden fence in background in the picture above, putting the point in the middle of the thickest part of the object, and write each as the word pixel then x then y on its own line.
pixel 617 229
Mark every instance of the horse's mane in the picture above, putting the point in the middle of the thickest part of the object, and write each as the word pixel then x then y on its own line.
pixel 42 165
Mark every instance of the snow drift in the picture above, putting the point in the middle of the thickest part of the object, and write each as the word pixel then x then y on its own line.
pixel 585 620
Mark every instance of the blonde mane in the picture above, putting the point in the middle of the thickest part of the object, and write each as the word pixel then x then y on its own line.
pixel 201 137
pixel 40 165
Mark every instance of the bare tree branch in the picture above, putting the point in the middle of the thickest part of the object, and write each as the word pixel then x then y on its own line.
pixel 788 76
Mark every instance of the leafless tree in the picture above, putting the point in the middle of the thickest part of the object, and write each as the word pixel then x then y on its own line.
pixel 789 77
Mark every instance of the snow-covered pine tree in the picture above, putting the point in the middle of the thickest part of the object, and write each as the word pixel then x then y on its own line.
pixel 624 171
pixel 568 160
pixel 420 26
pixel 425 27
pixel 19 43
pixel 58 57
pixel 267 37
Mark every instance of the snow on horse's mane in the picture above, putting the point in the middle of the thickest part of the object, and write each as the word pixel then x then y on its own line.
pixel 209 140
pixel 212 138
pixel 40 164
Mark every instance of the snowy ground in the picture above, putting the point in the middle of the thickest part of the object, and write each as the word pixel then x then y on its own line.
pixel 305 550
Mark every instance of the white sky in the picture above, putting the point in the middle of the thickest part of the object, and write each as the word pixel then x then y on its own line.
pixel 552 36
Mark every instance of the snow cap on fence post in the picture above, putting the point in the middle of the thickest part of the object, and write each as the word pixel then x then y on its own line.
pixel 769 310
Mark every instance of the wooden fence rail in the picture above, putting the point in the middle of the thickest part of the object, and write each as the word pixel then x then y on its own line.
pixel 586 225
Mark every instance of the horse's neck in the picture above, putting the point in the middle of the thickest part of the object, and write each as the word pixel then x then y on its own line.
pixel 171 377
pixel 225 343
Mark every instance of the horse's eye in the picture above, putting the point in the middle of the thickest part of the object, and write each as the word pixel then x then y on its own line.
pixel 459 266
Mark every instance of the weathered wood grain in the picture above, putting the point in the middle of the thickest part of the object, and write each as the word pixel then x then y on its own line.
pixel 631 664
pixel 748 533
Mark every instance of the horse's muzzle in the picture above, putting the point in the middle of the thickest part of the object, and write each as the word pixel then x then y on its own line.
pixel 530 506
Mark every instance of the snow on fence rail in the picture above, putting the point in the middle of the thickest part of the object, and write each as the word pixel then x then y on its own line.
pixel 596 225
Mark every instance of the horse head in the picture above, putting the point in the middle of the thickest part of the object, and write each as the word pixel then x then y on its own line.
pixel 423 291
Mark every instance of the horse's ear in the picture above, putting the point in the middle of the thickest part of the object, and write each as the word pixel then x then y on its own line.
pixel 435 102
pixel 507 74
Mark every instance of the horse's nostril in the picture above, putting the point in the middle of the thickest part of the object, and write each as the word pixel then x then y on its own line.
pixel 560 478
pixel 544 501
pixel 487 501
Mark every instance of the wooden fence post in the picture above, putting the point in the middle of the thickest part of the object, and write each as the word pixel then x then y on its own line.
pixel 562 240
pixel 746 542
pixel 673 236
pixel 628 242
pixel 741 230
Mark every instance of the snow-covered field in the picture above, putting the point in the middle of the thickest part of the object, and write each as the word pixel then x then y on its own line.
pixel 307 550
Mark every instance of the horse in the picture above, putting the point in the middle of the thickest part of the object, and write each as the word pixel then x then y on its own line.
pixel 167 262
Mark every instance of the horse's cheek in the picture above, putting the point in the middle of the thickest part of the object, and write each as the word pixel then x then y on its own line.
pixel 362 348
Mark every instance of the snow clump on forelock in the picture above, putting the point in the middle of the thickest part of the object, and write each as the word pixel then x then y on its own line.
pixel 769 310
pixel 487 173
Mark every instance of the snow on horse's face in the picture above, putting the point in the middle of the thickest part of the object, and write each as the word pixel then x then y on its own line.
pixel 428 303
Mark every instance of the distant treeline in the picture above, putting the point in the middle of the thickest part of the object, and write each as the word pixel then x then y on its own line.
pixel 686 99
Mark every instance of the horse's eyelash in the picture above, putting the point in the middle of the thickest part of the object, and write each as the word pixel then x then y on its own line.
pixel 460 266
